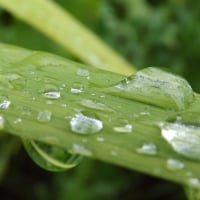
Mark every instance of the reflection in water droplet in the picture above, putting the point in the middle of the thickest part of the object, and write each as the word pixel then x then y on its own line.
pixel 184 138
pixel 80 149
pixel 52 95
pixel 83 72
pixel 5 104
pixel 155 87
pixel 51 157
pixel 85 125
pixel 194 182
pixel 2 122
pixel 148 149
pixel 95 105
pixel 123 129
pixel 173 164
pixel 44 116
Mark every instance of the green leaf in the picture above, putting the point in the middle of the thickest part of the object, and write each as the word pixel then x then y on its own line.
pixel 61 27
pixel 55 101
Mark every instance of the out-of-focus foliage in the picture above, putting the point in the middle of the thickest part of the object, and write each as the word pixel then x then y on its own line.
pixel 147 33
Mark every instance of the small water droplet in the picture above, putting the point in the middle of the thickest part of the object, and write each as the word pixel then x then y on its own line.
pixel 5 104
pixel 95 105
pixel 76 88
pixel 148 149
pixel 80 149
pixel 173 164
pixel 83 72
pixel 184 138
pixel 18 121
pixel 44 116
pixel 100 139
pixel 194 182
pixel 85 124
pixel 52 95
pixel 144 113
pixel 123 129
pixel 50 157
pixel 2 122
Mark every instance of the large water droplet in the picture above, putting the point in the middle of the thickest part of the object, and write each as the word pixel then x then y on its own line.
pixel 2 122
pixel 173 164
pixel 52 95
pixel 184 138
pixel 44 116
pixel 155 87
pixel 148 149
pixel 85 124
pixel 50 157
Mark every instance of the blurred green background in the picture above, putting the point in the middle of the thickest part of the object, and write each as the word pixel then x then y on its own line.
pixel 147 33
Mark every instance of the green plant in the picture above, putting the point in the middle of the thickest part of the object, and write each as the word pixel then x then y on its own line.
pixel 99 114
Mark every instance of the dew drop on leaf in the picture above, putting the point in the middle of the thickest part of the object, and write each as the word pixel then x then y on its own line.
pixel 81 149
pixel 51 157
pixel 184 138
pixel 52 94
pixel 148 149
pixel 87 125
pixel 44 116
pixel 155 87
pixel 174 164
pixel 18 120
pixel 123 129
pixel 76 88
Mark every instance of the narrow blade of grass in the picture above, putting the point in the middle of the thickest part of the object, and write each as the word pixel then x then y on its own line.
pixel 60 26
